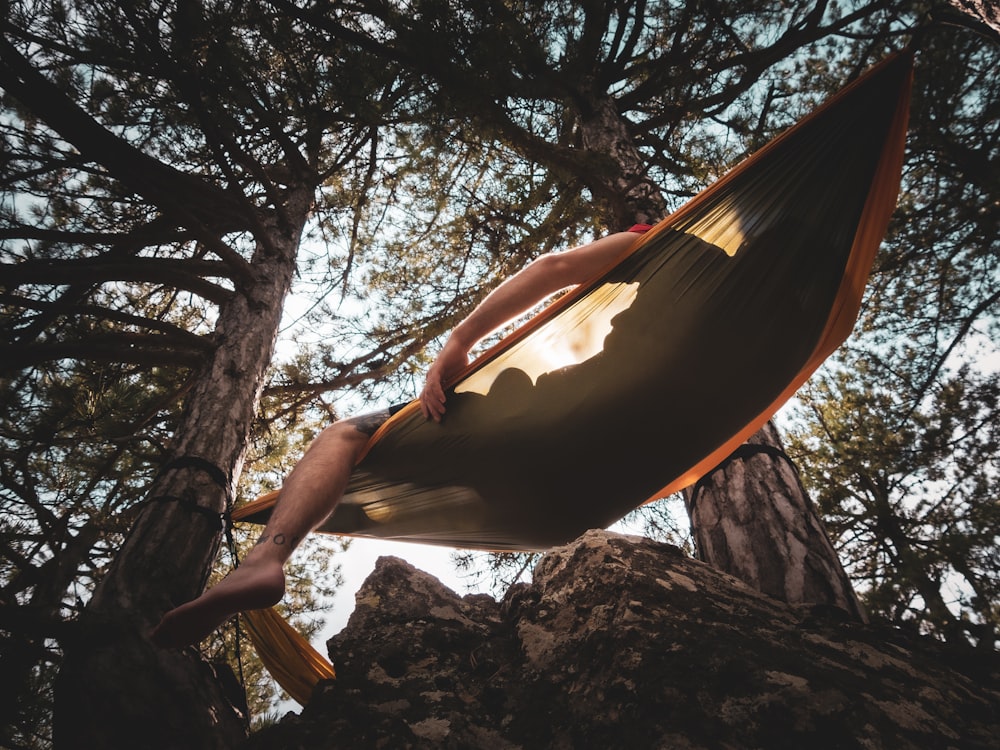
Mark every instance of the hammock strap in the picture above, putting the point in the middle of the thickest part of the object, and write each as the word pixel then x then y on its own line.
pixel 742 453
pixel 237 625
pixel 222 520
pixel 214 471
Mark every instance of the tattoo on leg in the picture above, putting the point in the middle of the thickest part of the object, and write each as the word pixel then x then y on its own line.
pixel 369 423
pixel 278 539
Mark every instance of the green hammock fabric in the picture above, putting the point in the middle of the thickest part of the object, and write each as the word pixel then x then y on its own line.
pixel 634 385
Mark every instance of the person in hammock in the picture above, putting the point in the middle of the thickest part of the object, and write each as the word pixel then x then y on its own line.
pixel 317 483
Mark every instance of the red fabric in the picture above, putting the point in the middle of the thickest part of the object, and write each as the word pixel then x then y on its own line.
pixel 640 228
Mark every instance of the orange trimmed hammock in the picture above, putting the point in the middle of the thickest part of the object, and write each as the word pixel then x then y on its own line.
pixel 634 385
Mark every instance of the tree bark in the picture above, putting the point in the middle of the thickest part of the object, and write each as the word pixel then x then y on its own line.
pixel 626 194
pixel 115 689
pixel 751 517
pixel 984 16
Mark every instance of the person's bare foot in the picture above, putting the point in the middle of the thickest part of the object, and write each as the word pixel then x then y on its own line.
pixel 251 586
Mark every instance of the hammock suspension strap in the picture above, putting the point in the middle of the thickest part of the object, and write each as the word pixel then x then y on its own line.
pixel 214 471
pixel 742 453
pixel 223 521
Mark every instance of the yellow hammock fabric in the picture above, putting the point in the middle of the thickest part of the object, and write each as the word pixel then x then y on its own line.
pixel 293 663
pixel 634 385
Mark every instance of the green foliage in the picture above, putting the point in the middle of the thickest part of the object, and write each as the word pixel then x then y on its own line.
pixel 78 447
pixel 664 520
pixel 907 484
pixel 495 572
pixel 696 84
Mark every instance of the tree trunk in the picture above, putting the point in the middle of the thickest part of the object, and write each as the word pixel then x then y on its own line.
pixel 625 193
pixel 115 689
pixel 752 518
pixel 984 16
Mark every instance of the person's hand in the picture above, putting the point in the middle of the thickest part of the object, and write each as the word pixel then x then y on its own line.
pixel 449 362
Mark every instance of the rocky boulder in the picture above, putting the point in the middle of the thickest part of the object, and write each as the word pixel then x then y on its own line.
pixel 620 642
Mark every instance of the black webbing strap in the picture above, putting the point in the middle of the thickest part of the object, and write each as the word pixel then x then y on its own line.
pixel 745 451
pixel 217 475
pixel 238 627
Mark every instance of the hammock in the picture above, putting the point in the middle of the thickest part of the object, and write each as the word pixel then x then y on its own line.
pixel 634 385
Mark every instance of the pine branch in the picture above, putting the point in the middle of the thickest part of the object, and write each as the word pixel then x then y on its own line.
pixel 121 347
pixel 190 199
pixel 184 274
pixel 101 313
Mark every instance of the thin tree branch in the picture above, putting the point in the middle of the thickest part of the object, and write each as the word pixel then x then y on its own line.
pixel 140 349
pixel 183 273
pixel 193 201
pixel 181 335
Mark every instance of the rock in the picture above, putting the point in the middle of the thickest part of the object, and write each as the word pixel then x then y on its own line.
pixel 620 642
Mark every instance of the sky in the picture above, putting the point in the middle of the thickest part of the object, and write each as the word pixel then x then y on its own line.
pixel 359 561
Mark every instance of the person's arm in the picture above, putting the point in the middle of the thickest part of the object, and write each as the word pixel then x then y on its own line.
pixel 522 291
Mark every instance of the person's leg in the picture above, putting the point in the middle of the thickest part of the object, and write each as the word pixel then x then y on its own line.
pixel 308 496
